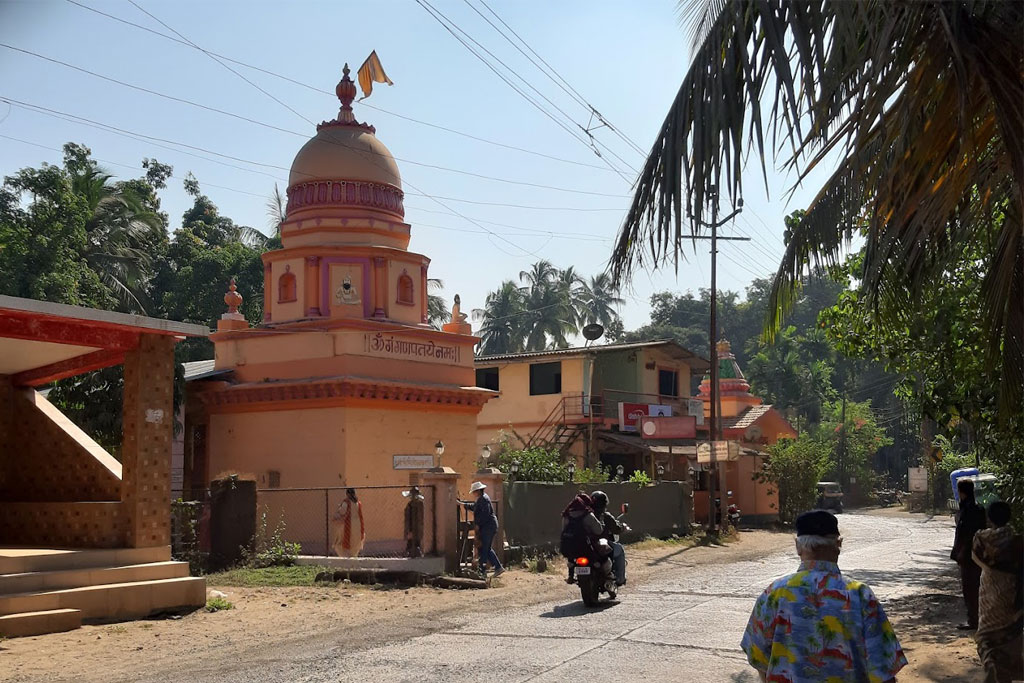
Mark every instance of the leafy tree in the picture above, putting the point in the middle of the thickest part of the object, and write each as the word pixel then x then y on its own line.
pixel 438 312
pixel 921 100
pixel 853 443
pixel 501 329
pixel 794 467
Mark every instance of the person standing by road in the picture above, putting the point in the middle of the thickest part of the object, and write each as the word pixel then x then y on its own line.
pixel 816 625
pixel 969 520
pixel 486 528
pixel 1000 552
pixel 349 530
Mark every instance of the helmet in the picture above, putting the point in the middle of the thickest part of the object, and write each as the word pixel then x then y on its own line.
pixel 600 499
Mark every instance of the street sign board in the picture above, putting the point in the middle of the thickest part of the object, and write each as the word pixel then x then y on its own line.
pixel 917 479
pixel 412 462
pixel 678 427
pixel 718 451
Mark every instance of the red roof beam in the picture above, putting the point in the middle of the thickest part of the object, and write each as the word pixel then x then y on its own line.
pixel 88 362
pixel 64 331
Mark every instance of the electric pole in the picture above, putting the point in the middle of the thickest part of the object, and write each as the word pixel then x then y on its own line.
pixel 715 409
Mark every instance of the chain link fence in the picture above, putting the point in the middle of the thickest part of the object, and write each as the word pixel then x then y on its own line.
pixel 324 522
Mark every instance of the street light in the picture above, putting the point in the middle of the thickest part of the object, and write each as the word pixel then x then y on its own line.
pixel 515 468
pixel 485 453
pixel 439 449
pixel 619 471
pixel 572 469
pixel 661 472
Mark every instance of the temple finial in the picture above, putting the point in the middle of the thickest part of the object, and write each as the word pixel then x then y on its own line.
pixel 233 299
pixel 346 92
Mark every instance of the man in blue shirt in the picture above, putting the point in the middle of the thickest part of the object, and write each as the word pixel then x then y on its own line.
pixel 815 625
pixel 486 528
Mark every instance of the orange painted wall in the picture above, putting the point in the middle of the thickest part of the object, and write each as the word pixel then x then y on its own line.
pixel 515 405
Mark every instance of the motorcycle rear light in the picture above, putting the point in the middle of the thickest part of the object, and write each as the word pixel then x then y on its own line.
pixel 582 561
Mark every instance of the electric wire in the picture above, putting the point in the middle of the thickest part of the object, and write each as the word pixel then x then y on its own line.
pixel 567 88
pixel 444 21
pixel 331 94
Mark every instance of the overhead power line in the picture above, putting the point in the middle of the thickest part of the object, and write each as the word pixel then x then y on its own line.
pixel 553 76
pixel 452 27
pixel 330 93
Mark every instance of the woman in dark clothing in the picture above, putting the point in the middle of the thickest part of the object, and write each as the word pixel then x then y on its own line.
pixel 969 520
pixel 486 523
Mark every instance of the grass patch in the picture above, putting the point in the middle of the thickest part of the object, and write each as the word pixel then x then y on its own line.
pixel 218 604
pixel 246 577
pixel 117 629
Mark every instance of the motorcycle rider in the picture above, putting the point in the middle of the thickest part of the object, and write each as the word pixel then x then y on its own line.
pixel 611 528
pixel 580 530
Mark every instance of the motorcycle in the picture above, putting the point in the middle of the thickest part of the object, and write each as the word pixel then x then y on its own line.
pixel 733 513
pixel 592 570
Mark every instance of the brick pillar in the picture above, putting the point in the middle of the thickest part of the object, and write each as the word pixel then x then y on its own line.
pixel 444 481
pixel 267 286
pixel 146 450
pixel 495 481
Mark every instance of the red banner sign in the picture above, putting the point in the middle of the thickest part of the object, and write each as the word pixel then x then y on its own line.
pixel 680 427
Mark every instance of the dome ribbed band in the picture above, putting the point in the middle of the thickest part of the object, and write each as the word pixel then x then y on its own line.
pixel 343 193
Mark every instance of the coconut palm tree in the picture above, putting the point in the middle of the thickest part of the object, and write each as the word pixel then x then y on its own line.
pixel 438 312
pixel 599 300
pixel 549 315
pixel 921 102
pixel 277 212
pixel 573 289
pixel 501 318
pixel 121 233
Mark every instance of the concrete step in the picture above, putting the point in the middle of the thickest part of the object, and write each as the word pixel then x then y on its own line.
pixel 29 582
pixel 113 601
pixel 25 560
pixel 38 623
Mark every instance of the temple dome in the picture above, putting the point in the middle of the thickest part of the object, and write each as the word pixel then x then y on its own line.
pixel 344 151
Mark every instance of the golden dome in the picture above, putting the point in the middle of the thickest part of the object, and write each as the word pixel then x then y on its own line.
pixel 344 152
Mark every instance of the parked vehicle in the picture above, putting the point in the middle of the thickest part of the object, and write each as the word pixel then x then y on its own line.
pixel 592 570
pixel 733 513
pixel 830 496
pixel 985 491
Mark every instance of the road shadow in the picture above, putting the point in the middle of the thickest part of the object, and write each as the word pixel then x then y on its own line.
pixel 934 571
pixel 577 609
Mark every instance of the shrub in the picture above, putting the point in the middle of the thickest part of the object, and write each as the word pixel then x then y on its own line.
pixel 596 475
pixel 218 604
pixel 639 477
pixel 535 464
pixel 269 549
pixel 795 467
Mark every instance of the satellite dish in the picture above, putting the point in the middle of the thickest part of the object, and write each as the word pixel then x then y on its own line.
pixel 593 331
pixel 753 433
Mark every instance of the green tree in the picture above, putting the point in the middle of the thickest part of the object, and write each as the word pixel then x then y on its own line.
pixel 794 467
pixel 853 444
pixel 921 100
pixel 438 312
pixel 549 314
pixel 502 320
pixel 598 303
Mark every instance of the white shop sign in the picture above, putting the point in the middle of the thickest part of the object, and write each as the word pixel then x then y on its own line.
pixel 412 462
pixel 917 479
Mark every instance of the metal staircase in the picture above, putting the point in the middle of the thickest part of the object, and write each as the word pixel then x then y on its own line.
pixel 566 422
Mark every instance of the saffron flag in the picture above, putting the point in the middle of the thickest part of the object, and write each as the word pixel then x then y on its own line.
pixel 371 71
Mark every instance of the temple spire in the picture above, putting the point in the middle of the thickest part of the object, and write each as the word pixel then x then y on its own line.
pixel 346 92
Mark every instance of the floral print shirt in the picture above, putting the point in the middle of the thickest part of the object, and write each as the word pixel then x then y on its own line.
pixel 815 625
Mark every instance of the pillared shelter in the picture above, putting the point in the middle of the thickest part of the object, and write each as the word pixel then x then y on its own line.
pixel 344 382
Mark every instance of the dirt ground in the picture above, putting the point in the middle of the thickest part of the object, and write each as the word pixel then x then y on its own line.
pixel 121 652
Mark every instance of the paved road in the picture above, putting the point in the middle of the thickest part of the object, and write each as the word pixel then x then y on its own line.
pixel 685 624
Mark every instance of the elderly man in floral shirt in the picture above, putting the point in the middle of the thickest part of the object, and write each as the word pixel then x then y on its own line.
pixel 816 625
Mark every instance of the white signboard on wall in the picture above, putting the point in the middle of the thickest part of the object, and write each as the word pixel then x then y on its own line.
pixel 917 479
pixel 695 407
pixel 412 462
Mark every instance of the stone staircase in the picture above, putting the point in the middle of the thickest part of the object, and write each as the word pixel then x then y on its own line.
pixel 51 590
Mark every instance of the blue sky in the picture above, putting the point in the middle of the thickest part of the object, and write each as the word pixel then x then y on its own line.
pixel 627 59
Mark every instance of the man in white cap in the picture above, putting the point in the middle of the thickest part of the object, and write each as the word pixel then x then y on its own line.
pixel 486 523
